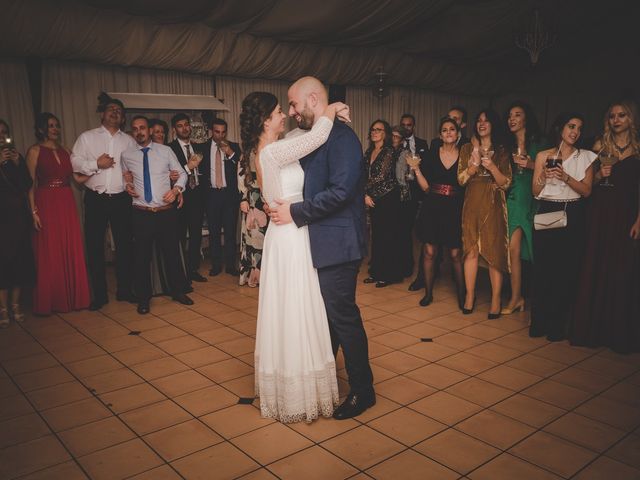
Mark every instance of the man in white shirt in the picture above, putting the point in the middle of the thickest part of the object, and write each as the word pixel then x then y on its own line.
pixel 97 153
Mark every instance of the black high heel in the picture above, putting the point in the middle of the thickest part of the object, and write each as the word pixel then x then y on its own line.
pixel 369 280
pixel 426 300
pixel 494 316
pixel 467 311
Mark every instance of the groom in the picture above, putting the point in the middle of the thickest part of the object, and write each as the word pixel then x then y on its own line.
pixel 333 208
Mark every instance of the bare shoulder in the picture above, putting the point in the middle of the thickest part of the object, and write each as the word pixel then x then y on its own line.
pixel 545 153
pixel 33 151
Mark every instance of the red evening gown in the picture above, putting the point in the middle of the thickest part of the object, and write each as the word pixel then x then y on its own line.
pixel 62 284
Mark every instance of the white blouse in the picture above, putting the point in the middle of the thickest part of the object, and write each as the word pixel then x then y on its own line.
pixel 576 167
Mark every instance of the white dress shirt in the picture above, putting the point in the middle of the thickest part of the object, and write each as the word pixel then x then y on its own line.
pixel 84 158
pixel 161 161
pixel 411 143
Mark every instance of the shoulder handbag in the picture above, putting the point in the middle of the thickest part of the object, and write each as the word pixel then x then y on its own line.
pixel 550 220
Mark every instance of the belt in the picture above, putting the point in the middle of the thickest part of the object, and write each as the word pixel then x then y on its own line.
pixel 153 209
pixel 445 190
pixel 54 184
pixel 107 195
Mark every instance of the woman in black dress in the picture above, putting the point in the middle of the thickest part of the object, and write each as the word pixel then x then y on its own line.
pixel 16 256
pixel 383 199
pixel 440 220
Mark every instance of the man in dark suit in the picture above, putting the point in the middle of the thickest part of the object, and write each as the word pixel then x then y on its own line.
pixel 192 212
pixel 220 178
pixel 333 208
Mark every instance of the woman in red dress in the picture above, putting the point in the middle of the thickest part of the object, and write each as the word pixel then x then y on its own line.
pixel 62 284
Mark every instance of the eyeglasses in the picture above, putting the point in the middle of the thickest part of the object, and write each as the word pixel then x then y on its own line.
pixel 377 130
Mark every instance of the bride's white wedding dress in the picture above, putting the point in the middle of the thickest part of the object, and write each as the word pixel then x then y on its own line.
pixel 295 372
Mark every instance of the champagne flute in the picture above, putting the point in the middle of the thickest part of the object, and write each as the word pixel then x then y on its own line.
pixel 518 155
pixel 607 159
pixel 485 154
pixel 413 160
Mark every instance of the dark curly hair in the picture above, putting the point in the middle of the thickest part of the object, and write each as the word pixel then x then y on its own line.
pixel 256 108
pixel 531 126
pixel 42 124
pixel 497 128
pixel 558 125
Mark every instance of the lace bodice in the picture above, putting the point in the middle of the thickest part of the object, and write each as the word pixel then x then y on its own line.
pixel 282 175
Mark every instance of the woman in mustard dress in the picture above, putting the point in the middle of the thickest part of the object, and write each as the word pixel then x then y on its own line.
pixel 484 169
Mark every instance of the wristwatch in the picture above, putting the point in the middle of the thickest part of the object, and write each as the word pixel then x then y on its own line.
pixel 179 188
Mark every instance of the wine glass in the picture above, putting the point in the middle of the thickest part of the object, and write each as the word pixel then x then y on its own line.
pixel 413 160
pixel 485 154
pixel 607 159
pixel 518 155
pixel 553 161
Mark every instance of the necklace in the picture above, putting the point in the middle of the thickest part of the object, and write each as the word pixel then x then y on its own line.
pixel 621 149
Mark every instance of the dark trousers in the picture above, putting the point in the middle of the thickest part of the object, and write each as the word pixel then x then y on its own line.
pixel 190 218
pixel 160 227
pixel 115 210
pixel 222 213
pixel 338 287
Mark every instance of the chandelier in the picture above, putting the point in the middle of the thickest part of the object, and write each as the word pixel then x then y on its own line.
pixel 535 37
pixel 380 88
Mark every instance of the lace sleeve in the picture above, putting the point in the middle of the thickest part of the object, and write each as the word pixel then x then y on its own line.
pixel 288 150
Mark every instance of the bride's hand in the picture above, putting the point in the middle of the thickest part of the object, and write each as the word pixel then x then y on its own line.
pixel 342 111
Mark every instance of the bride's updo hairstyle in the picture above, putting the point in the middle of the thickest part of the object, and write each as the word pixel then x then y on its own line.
pixel 256 108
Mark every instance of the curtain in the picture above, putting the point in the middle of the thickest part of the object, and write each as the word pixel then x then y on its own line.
pixel 15 103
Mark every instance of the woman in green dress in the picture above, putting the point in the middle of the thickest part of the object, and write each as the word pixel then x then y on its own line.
pixel 524 143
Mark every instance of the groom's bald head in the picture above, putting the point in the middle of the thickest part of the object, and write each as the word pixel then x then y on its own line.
pixel 307 101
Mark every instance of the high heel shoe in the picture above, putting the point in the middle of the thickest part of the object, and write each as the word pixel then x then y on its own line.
pixel 18 316
pixel 369 280
pixel 493 316
pixel 518 307
pixel 426 300
pixel 467 311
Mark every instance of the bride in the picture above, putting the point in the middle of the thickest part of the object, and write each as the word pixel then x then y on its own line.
pixel 295 372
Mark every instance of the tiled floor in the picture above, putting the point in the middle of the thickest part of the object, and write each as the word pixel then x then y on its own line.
pixel 112 394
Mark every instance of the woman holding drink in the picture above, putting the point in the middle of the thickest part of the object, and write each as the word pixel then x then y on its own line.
pixel 562 178
pixel 485 170
pixel 608 305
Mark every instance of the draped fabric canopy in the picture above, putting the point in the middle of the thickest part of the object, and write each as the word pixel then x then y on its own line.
pixel 460 46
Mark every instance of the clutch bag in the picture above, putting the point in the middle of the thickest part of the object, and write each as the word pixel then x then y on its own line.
pixel 547 221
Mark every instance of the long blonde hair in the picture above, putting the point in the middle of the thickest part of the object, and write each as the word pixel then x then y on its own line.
pixel 607 141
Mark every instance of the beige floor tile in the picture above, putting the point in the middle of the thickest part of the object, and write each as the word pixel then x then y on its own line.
pixel 563 353
pixel 457 451
pixel 528 410
pixel 313 463
pixel 508 467
pixel 377 349
pixel 30 364
pixel 219 335
pixel 179 317
pixel 380 374
pixel 612 412
pixel 509 377
pixel 445 408
pixel 403 390
pixel 236 420
pixel 206 400
pixel 165 472
pixel 155 417
pixel 202 356
pixel 160 367
pixel 324 428
pixel 133 356
pixel 243 387
pixel 75 414
pixel 536 365
pixel 584 380
pixel 8 388
pixel 424 330
pixel 625 392
pixel 161 334
pixel 63 471
pixel 21 350
pixel 457 341
pixel 94 366
pixel 200 325
pixel 178 345
pixel 95 436
pixel 521 343
pixel 494 352
pixel 233 318
pixel 374 329
pixel 585 432
pixel 125 342
pixel 480 392
pixel 398 362
pixel 396 339
pixel 430 351
pixel 467 364
pixel 57 395
pixel 120 461
pixel 238 346
pixel 147 323
pixel 553 453
pixel 363 447
pixel 133 397
pixel 370 313
pixel 224 459
pixel 452 322
pixel 42 378
pixel 32 456
pixel 495 429
pixel 181 383
pixel 413 466
pixel 406 426
pixel 436 376
pixel 22 429
pixel 225 370
pixel 606 469
pixel 627 451
pixel 247 327
pixel 271 443
pixel 110 381
pixel 182 439
pixel 607 367
pixel 483 332
pixel 557 394
pixel 15 406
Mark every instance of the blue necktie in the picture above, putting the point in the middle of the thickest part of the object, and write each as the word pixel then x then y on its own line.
pixel 148 196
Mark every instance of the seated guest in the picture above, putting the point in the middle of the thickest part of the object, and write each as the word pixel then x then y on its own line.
pixel 159 131
pixel 154 212
pixel 485 169
pixel 562 178
pixel 62 284
pixel 383 199
pixel 607 307
pixel 16 256
pixel 440 220
pixel 254 221
pixel 405 176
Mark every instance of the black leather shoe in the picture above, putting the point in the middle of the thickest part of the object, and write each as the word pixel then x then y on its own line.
pixel 416 285
pixel 196 277
pixel 143 308
pixel 232 271
pixel 426 300
pixel 369 280
pixel 354 405
pixel 215 271
pixel 97 305
pixel 126 297
pixel 183 299
pixel 382 284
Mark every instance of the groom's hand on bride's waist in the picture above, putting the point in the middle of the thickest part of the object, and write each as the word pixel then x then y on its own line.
pixel 281 214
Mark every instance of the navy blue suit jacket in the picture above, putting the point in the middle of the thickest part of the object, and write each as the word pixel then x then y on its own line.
pixel 333 205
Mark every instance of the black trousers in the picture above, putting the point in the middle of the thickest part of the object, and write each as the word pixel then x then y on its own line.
pixel 161 227
pixel 338 287
pixel 102 210
pixel 223 205
pixel 190 217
